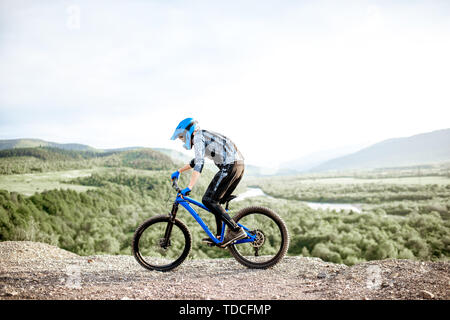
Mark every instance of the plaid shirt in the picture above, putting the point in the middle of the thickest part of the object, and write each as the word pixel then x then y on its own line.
pixel 216 147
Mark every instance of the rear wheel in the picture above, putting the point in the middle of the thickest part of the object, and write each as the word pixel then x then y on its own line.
pixel 154 250
pixel 272 238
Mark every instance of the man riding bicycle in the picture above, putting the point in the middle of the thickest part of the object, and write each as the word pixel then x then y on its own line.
pixel 227 158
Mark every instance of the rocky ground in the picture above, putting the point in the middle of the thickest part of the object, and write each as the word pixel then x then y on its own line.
pixel 30 270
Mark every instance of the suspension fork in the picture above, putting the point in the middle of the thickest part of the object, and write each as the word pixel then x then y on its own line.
pixel 166 241
pixel 174 211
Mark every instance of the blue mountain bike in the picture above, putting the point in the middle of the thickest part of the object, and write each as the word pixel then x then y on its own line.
pixel 163 242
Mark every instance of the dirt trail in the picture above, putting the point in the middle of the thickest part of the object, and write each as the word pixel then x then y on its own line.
pixel 30 270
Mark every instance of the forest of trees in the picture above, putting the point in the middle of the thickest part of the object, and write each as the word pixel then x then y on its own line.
pixel 400 221
pixel 395 199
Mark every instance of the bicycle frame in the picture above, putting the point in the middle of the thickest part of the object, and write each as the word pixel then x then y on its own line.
pixel 185 201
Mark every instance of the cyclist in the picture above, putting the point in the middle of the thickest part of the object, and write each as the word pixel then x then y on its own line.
pixel 227 158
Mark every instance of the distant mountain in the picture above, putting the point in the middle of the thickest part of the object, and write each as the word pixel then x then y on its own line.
pixel 315 159
pixel 425 148
pixel 32 143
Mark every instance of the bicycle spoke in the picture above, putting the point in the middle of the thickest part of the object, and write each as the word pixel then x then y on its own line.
pixel 268 239
pixel 271 239
pixel 154 251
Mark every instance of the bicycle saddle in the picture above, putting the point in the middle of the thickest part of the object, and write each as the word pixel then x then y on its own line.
pixel 227 200
pixel 231 197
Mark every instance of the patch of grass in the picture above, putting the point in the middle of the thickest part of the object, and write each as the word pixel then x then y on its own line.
pixel 30 183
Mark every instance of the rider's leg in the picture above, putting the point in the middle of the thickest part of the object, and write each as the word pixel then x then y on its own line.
pixel 219 213
pixel 238 173
pixel 222 183
pixel 237 177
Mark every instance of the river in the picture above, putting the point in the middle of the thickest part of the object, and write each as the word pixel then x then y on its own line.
pixel 257 192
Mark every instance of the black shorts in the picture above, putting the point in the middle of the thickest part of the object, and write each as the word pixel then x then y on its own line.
pixel 225 182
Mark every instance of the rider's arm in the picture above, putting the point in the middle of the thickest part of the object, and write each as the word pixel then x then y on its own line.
pixel 185 168
pixel 194 178
pixel 199 147
pixel 199 160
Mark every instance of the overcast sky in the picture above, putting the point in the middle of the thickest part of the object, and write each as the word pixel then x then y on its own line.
pixel 282 79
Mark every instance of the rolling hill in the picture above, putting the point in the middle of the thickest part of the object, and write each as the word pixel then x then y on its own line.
pixel 129 156
pixel 425 148
pixel 42 159
pixel 32 143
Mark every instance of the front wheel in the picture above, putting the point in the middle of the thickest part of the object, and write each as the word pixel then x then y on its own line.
pixel 162 245
pixel 272 238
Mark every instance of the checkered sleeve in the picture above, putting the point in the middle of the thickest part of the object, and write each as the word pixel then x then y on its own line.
pixel 199 148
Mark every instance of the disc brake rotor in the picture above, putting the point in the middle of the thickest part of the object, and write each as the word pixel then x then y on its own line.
pixel 260 239
pixel 163 244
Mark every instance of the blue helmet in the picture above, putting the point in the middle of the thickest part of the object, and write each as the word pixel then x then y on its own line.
pixel 184 131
